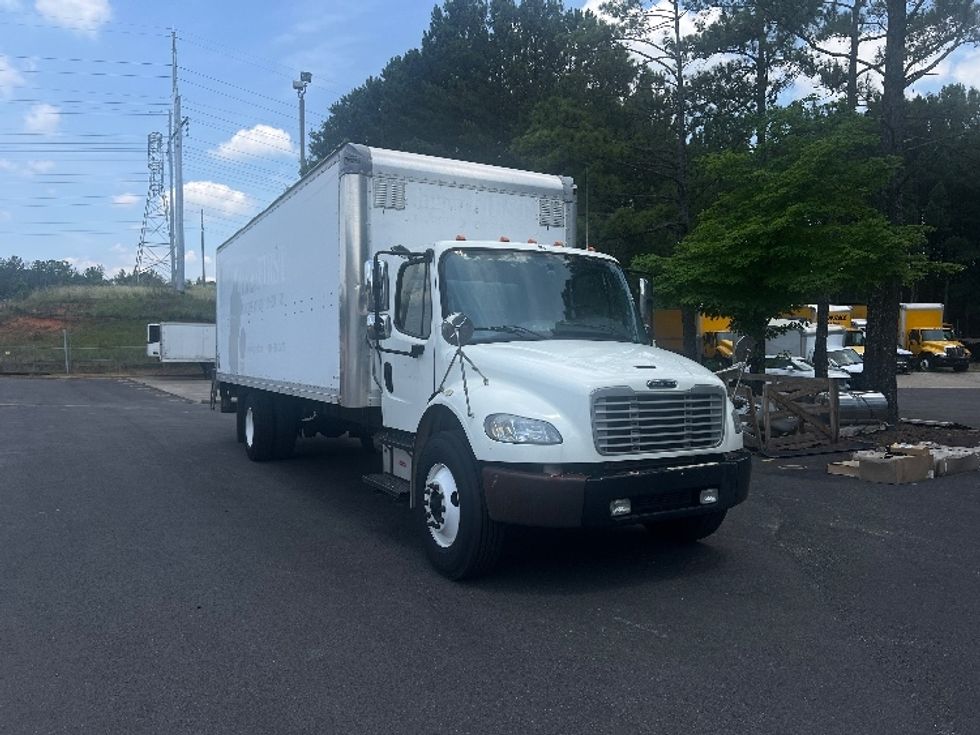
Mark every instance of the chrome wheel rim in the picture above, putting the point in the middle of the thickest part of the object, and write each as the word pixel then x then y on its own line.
pixel 249 427
pixel 440 500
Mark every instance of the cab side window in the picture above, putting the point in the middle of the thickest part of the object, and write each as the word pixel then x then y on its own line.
pixel 413 301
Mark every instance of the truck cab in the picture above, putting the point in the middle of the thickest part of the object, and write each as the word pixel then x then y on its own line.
pixel 936 347
pixel 518 379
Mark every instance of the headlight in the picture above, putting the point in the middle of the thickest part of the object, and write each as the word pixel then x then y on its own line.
pixel 505 427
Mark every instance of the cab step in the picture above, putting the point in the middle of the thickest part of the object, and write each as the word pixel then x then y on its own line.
pixel 390 485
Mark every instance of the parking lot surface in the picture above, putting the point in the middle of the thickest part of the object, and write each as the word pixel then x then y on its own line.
pixel 152 579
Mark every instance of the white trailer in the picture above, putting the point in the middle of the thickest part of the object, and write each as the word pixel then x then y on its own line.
pixel 437 310
pixel 799 339
pixel 179 342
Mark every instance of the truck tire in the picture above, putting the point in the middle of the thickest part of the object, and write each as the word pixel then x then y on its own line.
pixel 260 426
pixel 240 418
pixel 459 538
pixel 287 427
pixel 687 530
pixel 925 363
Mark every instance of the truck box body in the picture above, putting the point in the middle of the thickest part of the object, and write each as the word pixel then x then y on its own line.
pixel 800 340
pixel 290 304
pixel 175 342
pixel 921 330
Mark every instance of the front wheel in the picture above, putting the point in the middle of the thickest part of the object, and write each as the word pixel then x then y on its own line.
pixel 459 537
pixel 925 364
pixel 689 529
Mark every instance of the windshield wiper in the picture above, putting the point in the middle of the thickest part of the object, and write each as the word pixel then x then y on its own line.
pixel 590 332
pixel 511 329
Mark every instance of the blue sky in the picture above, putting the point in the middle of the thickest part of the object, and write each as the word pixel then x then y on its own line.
pixel 83 82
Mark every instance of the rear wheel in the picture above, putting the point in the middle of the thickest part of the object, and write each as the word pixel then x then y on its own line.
pixel 689 529
pixel 240 409
pixel 260 426
pixel 459 537
pixel 287 427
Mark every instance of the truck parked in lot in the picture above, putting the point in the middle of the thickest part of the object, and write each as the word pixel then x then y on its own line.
pixel 182 342
pixel 504 381
pixel 933 345
pixel 714 335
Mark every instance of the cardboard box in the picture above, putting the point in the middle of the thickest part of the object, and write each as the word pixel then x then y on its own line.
pixel 953 460
pixel 894 469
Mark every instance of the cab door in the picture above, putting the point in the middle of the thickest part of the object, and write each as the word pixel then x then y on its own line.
pixel 405 361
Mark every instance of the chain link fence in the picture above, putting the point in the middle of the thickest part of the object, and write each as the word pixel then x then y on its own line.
pixel 71 360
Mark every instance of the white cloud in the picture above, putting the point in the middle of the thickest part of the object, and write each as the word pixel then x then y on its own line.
pixel 6 165
pixel 40 167
pixel 5 216
pixel 125 200
pixel 10 77
pixel 42 118
pixel 83 16
pixel 261 140
pixel 966 70
pixel 218 198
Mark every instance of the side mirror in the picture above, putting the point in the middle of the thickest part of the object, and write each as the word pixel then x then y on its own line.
pixel 376 285
pixel 646 300
pixel 457 329
pixel 378 327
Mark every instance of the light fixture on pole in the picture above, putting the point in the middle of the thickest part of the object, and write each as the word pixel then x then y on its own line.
pixel 300 85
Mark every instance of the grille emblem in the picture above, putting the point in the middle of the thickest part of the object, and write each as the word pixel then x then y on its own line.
pixel 661 383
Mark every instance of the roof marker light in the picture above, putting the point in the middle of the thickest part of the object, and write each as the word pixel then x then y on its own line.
pixel 504 238
pixel 460 237
pixel 559 244
pixel 591 248
pixel 532 241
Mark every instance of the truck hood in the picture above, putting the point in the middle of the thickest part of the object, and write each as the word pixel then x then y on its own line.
pixel 592 364
pixel 938 345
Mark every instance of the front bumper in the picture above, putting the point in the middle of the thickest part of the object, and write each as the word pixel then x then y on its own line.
pixel 574 499
pixel 941 360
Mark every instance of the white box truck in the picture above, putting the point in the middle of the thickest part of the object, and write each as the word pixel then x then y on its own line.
pixel 505 381
pixel 182 342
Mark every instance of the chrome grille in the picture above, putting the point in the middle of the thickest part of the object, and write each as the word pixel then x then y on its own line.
pixel 955 352
pixel 627 422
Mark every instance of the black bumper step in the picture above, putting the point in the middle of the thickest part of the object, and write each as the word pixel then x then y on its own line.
pixel 390 485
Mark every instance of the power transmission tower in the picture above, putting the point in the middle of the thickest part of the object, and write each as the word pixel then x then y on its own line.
pixel 155 248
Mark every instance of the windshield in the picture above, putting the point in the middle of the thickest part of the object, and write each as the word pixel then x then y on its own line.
pixel 520 295
pixel 853 338
pixel 937 335
pixel 845 357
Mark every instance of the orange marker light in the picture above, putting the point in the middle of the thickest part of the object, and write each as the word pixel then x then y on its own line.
pixel 532 241
pixel 559 244
pixel 460 237
pixel 504 238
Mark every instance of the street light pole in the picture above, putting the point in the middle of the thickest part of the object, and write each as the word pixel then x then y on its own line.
pixel 300 85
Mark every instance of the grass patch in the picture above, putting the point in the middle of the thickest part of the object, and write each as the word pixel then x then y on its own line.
pixel 106 325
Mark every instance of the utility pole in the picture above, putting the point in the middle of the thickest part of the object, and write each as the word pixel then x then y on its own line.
pixel 203 273
pixel 170 199
pixel 178 132
pixel 300 86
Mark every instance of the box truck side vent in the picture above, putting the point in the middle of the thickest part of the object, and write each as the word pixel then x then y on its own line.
pixel 624 422
pixel 389 193
pixel 551 213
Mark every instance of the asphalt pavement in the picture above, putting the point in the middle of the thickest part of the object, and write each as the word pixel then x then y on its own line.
pixel 153 580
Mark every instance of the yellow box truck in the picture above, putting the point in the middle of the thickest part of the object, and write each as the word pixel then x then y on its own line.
pixel 921 331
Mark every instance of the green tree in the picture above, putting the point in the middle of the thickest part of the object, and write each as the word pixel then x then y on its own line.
pixel 793 220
